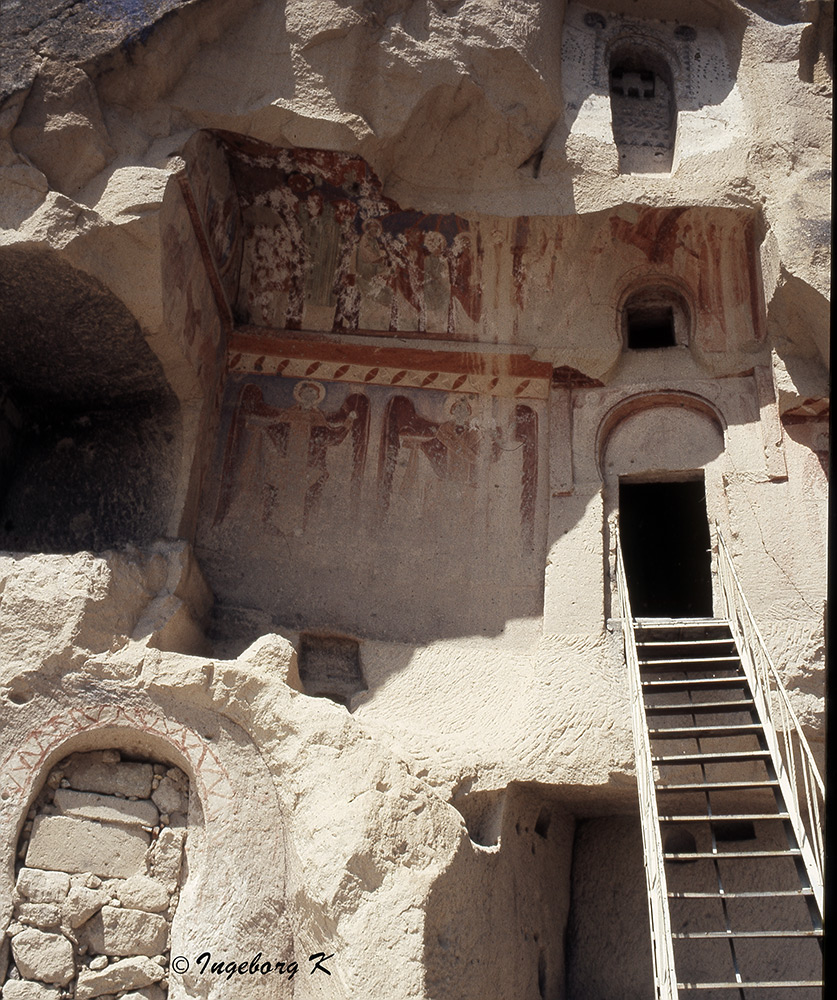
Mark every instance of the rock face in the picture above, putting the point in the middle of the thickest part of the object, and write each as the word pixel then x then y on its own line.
pixel 337 342
pixel 61 129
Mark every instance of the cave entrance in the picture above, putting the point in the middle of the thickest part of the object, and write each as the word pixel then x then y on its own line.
pixel 89 426
pixel 665 540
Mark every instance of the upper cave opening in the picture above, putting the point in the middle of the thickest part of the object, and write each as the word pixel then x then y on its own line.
pixel 89 427
pixel 644 110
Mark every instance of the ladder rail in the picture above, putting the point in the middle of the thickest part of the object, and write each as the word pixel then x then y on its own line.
pixel 789 749
pixel 665 980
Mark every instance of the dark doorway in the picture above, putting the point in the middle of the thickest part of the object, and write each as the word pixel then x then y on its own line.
pixel 665 541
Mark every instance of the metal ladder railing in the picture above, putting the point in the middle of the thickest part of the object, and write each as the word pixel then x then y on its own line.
pixel 800 785
pixel 662 947
pixel 792 758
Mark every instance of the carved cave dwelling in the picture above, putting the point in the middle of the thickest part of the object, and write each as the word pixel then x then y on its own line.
pixel 414 435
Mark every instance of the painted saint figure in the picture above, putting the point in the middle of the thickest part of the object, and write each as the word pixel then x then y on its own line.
pixel 454 449
pixel 285 450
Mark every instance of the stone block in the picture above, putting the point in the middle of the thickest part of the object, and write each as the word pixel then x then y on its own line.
pixel 117 931
pixel 86 879
pixel 88 772
pixel 149 993
pixel 129 974
pixel 168 797
pixel 165 856
pixel 105 808
pixel 81 904
pixel 65 843
pixel 39 914
pixel 44 956
pixel 42 887
pixel 25 989
pixel 142 893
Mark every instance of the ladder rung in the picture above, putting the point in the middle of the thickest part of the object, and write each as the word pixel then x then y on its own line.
pixel 764 985
pixel 681 622
pixel 711 758
pixel 736 681
pixel 737 818
pixel 695 732
pixel 717 786
pixel 721 935
pixel 766 894
pixel 789 852
pixel 704 661
pixel 685 642
pixel 739 705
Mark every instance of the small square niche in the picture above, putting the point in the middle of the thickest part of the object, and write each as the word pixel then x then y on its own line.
pixel 650 327
pixel 329 667
pixel 654 317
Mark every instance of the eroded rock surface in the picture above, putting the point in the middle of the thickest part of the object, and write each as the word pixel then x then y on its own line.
pixel 328 333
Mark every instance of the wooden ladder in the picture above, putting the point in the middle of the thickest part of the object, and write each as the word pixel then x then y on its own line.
pixel 743 917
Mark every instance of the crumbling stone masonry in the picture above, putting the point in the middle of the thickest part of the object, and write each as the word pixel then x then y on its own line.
pixel 99 880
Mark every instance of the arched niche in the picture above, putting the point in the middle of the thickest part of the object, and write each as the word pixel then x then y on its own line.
pixel 232 806
pixel 655 315
pixel 649 432
pixel 643 107
pixel 89 427
pixel 102 854
pixel 660 438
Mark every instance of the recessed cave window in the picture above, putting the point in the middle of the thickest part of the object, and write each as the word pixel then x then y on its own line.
pixel 653 318
pixel 650 327
pixel 329 667
pixel 89 428
pixel 643 110
pixel 625 83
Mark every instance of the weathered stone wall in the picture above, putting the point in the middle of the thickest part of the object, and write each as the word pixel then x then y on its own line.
pixel 101 849
pixel 313 336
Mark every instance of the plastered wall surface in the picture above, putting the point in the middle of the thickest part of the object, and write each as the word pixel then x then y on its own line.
pixel 315 376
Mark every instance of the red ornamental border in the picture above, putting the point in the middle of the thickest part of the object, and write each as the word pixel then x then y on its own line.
pixel 514 376
pixel 20 769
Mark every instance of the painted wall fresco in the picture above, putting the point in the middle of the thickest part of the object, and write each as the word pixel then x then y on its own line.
pixel 188 303
pixel 216 201
pixel 396 513
pixel 323 250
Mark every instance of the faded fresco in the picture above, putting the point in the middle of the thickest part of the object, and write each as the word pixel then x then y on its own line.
pixel 314 245
pixel 284 451
pixel 365 503
pixel 218 211
pixel 188 301
pixel 324 249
